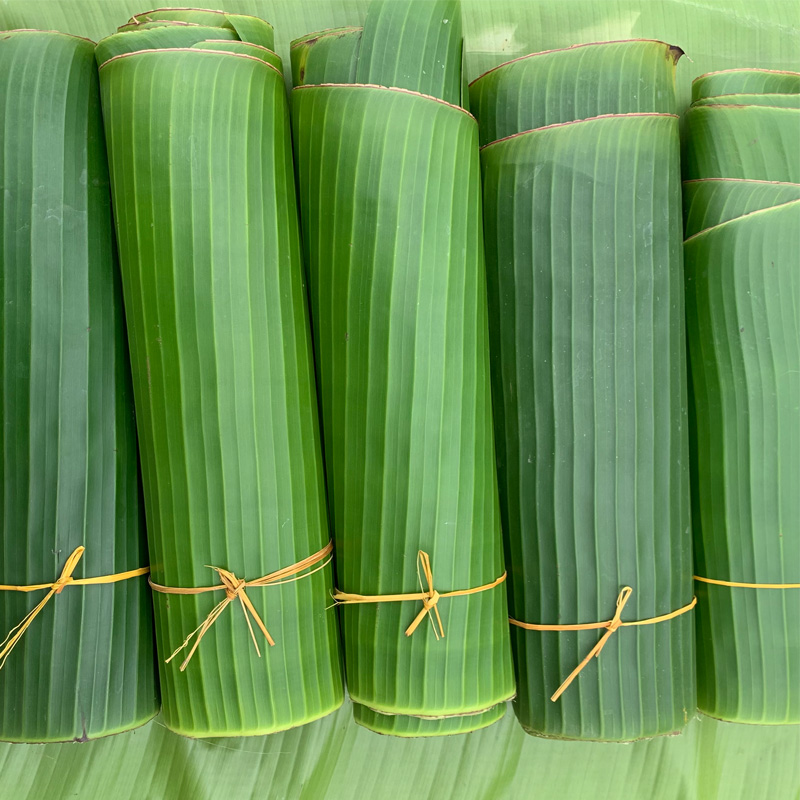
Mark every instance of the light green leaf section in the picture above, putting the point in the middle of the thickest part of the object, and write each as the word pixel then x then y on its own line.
pixel 390 201
pixel 85 667
pixel 588 379
pixel 751 142
pixel 203 189
pixel 326 57
pixel 707 203
pixel 576 83
pixel 743 296
pixel 780 100
pixel 414 45
pixel 741 81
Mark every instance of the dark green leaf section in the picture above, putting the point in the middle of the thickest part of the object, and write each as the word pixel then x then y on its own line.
pixel 743 314
pixel 583 252
pixel 326 57
pixel 390 201
pixel 85 667
pixel 575 83
pixel 745 81
pixel 408 727
pixel 204 200
pixel 243 48
pixel 247 28
pixel 157 38
pixel 413 45
pixel 707 203
pixel 751 142
pixel 780 100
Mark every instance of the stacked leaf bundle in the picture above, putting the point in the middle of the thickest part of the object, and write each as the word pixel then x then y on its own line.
pixel 742 252
pixel 205 211
pixel 83 664
pixel 389 186
pixel 582 220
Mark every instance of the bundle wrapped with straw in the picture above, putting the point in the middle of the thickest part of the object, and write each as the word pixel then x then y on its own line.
pixel 78 661
pixel 206 217
pixel 389 189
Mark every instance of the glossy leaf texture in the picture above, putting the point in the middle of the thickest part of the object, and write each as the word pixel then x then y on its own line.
pixel 743 81
pixel 85 666
pixel 399 312
pixel 575 83
pixel 780 100
pixel 743 292
pixel 750 142
pixel 583 230
pixel 743 295
pixel 204 199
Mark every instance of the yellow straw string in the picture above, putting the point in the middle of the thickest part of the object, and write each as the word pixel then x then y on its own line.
pixel 740 585
pixel 612 625
pixel 429 597
pixel 56 587
pixel 235 589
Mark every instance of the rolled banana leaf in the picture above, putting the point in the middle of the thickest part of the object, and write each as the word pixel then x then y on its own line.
pixel 389 188
pixel 707 203
pixel 326 57
pixel 579 82
pixel 205 210
pixel 243 48
pixel 749 142
pixel 583 231
pixel 743 302
pixel 745 81
pixel 85 665
pixel 780 100
pixel 246 28
pixel 156 38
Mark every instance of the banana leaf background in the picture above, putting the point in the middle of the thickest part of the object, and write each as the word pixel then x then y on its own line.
pixel 334 758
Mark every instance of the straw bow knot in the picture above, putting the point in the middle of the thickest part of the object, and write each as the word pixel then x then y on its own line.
pixel 430 599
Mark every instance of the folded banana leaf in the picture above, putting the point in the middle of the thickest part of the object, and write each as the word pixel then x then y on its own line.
pixel 204 198
pixel 745 81
pixel 583 230
pixel 85 666
pixel 750 142
pixel 389 189
pixel 707 203
pixel 743 297
pixel 583 81
pixel 326 57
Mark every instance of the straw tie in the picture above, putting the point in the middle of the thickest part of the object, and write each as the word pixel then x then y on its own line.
pixel 234 588
pixel 612 625
pixel 430 597
pixel 56 587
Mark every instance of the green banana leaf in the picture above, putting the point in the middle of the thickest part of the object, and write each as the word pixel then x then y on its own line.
pixel 750 142
pixel 390 199
pixel 326 57
pixel 781 100
pixel 741 81
pixel 588 378
pixel 204 199
pixel 743 296
pixel 576 83
pixel 707 203
pixel 85 666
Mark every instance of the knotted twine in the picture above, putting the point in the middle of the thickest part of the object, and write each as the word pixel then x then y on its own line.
pixel 56 587
pixel 611 626
pixel 429 597
pixel 235 589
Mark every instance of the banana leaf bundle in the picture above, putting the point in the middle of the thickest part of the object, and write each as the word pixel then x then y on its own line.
pixel 78 662
pixel 582 221
pixel 205 211
pixel 389 187
pixel 742 251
